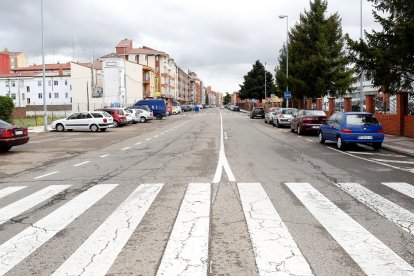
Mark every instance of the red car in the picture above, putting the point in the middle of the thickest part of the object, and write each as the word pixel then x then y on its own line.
pixel 118 114
pixel 11 136
pixel 307 121
pixel 169 109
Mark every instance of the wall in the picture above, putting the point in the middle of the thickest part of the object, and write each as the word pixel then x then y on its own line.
pixel 389 123
pixel 134 83
pixel 4 64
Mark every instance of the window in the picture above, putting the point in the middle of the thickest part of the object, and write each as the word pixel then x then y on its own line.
pixel 55 83
pixel 66 95
pixel 361 119
pixel 7 83
pixel 28 100
pixel 66 82
pixel 27 88
pixel 39 83
pixel 23 96
pixel 70 87
pixel 49 83
pixel 40 96
pixel 56 95
pixel 13 83
pixel 97 115
pixel 13 96
pixel 50 95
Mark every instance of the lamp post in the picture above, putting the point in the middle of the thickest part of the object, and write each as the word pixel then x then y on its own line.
pixel 265 80
pixel 43 72
pixel 287 54
pixel 361 79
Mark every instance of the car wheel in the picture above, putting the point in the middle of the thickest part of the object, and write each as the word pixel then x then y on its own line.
pixel 60 127
pixel 292 129
pixel 5 149
pixel 116 124
pixel 159 116
pixel 377 146
pixel 265 120
pixel 103 129
pixel 278 124
pixel 321 139
pixel 339 143
pixel 94 128
pixel 142 119
pixel 299 130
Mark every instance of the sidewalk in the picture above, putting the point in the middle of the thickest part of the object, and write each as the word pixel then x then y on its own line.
pixel 38 129
pixel 399 144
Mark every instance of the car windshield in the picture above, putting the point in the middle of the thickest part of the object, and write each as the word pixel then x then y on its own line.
pixel 288 111
pixel 314 113
pixel 4 124
pixel 361 119
pixel 121 112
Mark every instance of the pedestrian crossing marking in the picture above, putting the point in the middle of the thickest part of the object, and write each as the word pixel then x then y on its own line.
pixel 401 187
pixel 26 242
pixel 382 206
pixel 274 247
pixel 366 250
pixel 10 190
pixel 96 255
pixel 18 207
pixel 187 249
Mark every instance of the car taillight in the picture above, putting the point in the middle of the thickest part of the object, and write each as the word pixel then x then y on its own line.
pixel 346 130
pixel 307 119
pixel 7 134
pixel 26 132
pixel 380 130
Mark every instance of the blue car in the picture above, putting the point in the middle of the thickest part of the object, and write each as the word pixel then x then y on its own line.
pixel 352 127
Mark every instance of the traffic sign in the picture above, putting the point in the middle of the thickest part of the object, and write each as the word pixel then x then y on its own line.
pixel 287 95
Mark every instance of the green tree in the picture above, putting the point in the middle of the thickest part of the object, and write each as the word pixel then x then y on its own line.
pixel 253 86
pixel 317 60
pixel 387 56
pixel 226 99
pixel 6 108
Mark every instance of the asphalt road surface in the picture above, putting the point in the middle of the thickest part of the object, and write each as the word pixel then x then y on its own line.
pixel 208 193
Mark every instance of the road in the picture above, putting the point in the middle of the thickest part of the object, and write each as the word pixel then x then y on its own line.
pixel 212 193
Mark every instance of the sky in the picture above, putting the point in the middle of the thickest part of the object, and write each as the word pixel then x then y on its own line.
pixel 218 39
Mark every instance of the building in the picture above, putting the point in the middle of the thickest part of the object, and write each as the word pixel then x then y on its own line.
pixel 16 60
pixel 196 86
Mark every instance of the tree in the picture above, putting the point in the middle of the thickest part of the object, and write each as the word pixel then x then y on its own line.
pixel 317 60
pixel 253 86
pixel 226 99
pixel 387 56
pixel 6 108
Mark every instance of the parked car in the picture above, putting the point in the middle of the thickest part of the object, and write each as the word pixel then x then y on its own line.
pixel 169 110
pixel 307 121
pixel 158 107
pixel 236 108
pixel 271 112
pixel 117 114
pixel 257 112
pixel 176 110
pixel 129 116
pixel 284 117
pixel 11 136
pixel 93 121
pixel 141 115
pixel 352 127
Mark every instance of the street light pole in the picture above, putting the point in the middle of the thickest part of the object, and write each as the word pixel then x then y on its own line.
pixel 361 79
pixel 43 72
pixel 287 54
pixel 265 81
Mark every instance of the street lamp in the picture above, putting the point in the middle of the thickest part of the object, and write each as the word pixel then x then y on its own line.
pixel 43 72
pixel 265 80
pixel 287 54
pixel 361 87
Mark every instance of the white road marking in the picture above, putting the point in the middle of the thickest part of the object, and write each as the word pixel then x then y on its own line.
pixel 24 204
pixel 156 136
pixel 104 245
pixel 44 175
pixel 376 153
pixel 80 164
pixel 187 249
pixel 126 148
pixel 372 161
pixel 26 242
pixel 225 135
pixel 171 129
pixel 139 143
pixel 401 187
pixel 394 161
pixel 162 133
pixel 103 156
pixel 148 139
pixel 274 247
pixel 309 140
pixel 222 162
pixel 384 207
pixel 10 190
pixel 365 249
pixel 167 131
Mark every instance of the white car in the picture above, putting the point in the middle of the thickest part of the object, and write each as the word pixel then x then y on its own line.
pixel 128 115
pixel 283 117
pixel 141 114
pixel 93 121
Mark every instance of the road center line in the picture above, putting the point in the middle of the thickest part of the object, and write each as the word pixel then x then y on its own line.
pixel 80 164
pixel 162 133
pixel 126 148
pixel 148 139
pixel 309 140
pixel 44 175
pixel 139 143
pixel 394 161
pixel 103 156
pixel 156 136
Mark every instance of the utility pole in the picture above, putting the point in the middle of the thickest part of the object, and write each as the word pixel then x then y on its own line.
pixel 265 81
pixel 43 71
pixel 287 54
pixel 361 79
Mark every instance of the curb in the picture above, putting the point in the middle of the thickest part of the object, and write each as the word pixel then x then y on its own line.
pixel 397 150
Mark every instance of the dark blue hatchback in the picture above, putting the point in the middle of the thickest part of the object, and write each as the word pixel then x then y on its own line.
pixel 352 127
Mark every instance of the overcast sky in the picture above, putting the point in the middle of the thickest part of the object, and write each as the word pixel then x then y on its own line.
pixel 218 39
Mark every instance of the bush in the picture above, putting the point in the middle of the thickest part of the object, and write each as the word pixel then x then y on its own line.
pixel 6 108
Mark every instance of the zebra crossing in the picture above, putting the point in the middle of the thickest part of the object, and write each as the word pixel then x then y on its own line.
pixel 187 250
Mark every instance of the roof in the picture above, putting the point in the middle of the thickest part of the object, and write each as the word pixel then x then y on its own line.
pixel 124 43
pixel 48 67
pixel 144 51
pixel 19 75
pixel 97 64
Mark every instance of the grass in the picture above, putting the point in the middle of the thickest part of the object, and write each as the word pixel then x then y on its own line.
pixel 32 121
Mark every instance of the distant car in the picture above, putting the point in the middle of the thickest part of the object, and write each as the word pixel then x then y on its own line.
pixel 176 110
pixel 257 112
pixel 307 121
pixel 271 112
pixel 117 114
pixel 129 116
pixel 141 115
pixel 169 110
pixel 11 136
pixel 284 117
pixel 352 127
pixel 157 106
pixel 93 121
pixel 236 108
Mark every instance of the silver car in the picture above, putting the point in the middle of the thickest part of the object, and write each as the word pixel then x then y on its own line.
pixel 284 117
pixel 270 113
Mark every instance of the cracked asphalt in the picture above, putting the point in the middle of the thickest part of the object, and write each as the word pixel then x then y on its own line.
pixel 184 149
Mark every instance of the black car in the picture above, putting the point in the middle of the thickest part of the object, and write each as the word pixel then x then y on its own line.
pixel 257 112
pixel 236 108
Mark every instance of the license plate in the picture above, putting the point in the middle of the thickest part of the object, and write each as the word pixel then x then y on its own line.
pixel 315 126
pixel 18 132
pixel 365 137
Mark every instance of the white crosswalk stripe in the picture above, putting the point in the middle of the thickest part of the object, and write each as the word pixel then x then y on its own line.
pixel 10 190
pixel 373 257
pixel 384 207
pixel 26 242
pixel 26 203
pixel 401 187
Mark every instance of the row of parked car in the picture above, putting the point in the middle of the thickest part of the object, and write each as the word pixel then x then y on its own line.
pixel 344 128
